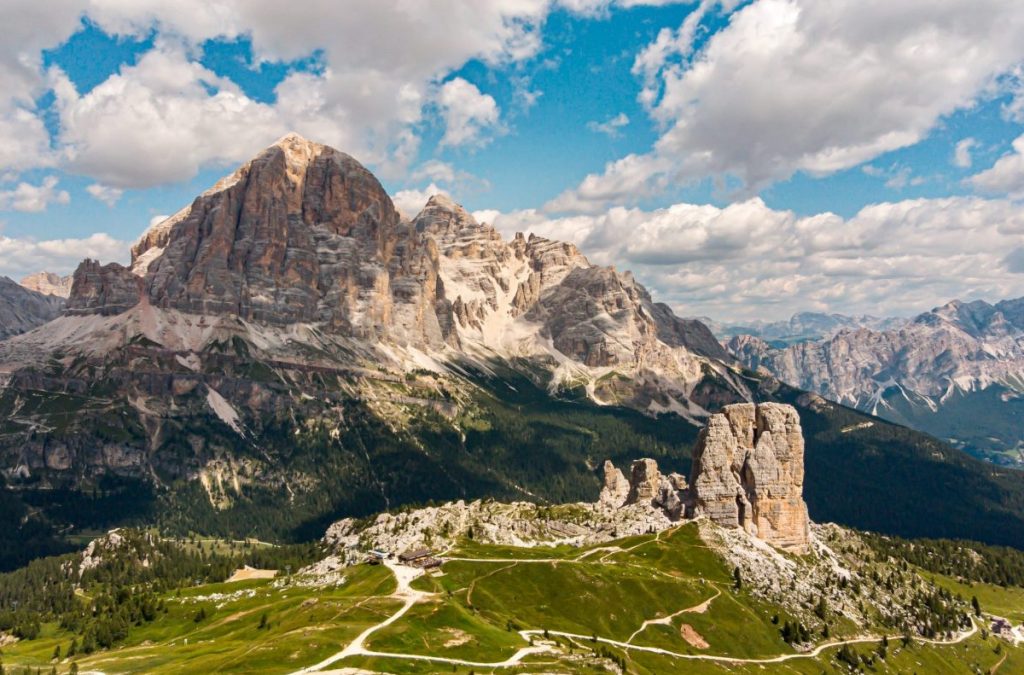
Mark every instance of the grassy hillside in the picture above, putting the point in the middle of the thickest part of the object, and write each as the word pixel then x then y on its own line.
pixel 649 604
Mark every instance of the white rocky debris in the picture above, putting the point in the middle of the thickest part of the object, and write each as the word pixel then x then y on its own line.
pixel 515 524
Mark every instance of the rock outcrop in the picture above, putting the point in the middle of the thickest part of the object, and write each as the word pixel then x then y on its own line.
pixel 644 481
pixel 748 471
pixel 646 487
pixel 48 283
pixel 616 488
pixel 103 289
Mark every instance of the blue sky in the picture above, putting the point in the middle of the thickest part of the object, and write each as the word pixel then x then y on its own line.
pixel 688 141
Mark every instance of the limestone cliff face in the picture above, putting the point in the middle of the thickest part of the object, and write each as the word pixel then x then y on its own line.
pixel 748 471
pixel 48 283
pixel 303 233
pixel 103 289
pixel 646 487
pixel 615 490
pixel 601 317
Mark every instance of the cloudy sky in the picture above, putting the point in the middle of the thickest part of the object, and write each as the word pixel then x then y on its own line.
pixel 744 159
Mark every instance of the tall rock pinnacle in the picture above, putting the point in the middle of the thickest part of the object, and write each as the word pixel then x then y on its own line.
pixel 748 471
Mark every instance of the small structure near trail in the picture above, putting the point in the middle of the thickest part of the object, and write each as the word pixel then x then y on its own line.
pixel 419 557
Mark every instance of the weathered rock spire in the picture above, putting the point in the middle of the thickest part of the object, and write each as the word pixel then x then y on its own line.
pixel 748 471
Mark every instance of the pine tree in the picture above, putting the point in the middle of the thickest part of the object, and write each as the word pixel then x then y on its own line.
pixel 976 605
pixel 821 609
pixel 737 578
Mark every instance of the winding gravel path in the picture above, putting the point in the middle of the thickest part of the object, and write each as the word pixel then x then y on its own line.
pixel 405 575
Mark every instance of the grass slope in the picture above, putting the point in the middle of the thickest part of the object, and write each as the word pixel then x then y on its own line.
pixel 478 606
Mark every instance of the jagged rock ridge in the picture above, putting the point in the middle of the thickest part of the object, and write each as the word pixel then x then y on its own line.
pixel 304 235
pixel 924 374
pixel 747 472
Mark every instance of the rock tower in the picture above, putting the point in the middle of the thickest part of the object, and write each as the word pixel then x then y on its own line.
pixel 748 471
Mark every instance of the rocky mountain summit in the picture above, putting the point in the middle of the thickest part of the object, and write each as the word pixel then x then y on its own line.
pixel 304 234
pixel 22 309
pixel 938 372
pixel 48 283
pixel 288 349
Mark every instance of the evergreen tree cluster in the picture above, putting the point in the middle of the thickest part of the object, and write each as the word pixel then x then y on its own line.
pixel 968 560
pixel 100 604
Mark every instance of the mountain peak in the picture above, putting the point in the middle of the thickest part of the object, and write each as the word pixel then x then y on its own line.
pixel 444 201
pixel 48 283
pixel 294 138
pixel 299 150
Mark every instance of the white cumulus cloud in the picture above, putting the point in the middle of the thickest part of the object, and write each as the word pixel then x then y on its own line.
pixel 410 202
pixel 962 153
pixel 610 127
pixel 1006 176
pixel 803 85
pixel 468 113
pixel 20 256
pixel 104 193
pixel 747 260
pixel 33 198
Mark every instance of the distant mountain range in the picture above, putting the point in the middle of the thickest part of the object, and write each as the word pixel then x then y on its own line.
pixel 288 349
pixel 956 371
pixel 800 327
pixel 22 309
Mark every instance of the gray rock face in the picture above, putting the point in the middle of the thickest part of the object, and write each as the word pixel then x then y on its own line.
pixel 103 289
pixel 644 481
pixel 303 233
pixel 21 309
pixel 959 345
pixel 748 471
pixel 646 486
pixel 600 317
